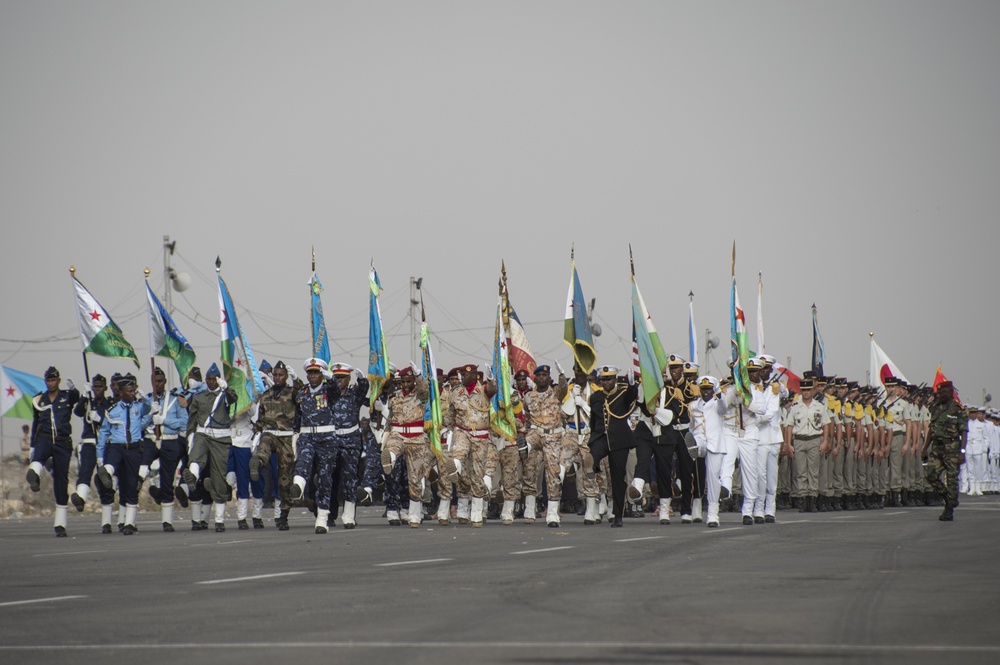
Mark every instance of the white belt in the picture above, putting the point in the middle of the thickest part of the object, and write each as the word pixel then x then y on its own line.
pixel 170 437
pixel 407 429
pixel 215 432
pixel 549 430
pixel 90 441
pixel 326 429
pixel 278 432
pixel 682 428
pixel 475 432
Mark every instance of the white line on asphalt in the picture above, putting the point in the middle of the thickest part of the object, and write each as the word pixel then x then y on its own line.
pixel 248 578
pixel 898 512
pixel 39 600
pixel 547 549
pixel 632 540
pixel 411 563
pixel 69 553
pixel 732 648
pixel 222 542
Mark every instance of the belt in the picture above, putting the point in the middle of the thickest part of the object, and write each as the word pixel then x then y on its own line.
pixel 807 438
pixel 477 433
pixel 682 427
pixel 549 430
pixel 214 432
pixel 126 446
pixel 278 432
pixel 328 429
pixel 170 437
pixel 90 441
pixel 409 430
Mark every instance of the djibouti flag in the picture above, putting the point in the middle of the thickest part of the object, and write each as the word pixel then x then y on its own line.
pixel 238 364
pixel 16 390
pixel 99 334
pixel 652 358
pixel 378 355
pixel 576 330
pixel 432 409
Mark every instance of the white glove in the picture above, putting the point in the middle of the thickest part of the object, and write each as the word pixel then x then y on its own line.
pixel 663 417
pixel 559 368
pixel 630 375
pixel 358 374
pixel 70 385
pixel 580 402
pixel 222 383
pixel 267 379
pixel 231 479
pixel 291 374
pixel 489 372
pixel 193 383
pixel 379 406
pixel 93 416
pixel 87 389
pixel 158 419
pixel 416 370
pixel 154 408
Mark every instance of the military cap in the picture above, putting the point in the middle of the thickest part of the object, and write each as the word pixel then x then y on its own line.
pixel 807 383
pixel 690 368
pixel 706 381
pixel 406 371
pixel 98 377
pixel 944 384
pixel 853 385
pixel 755 363
pixel 264 365
pixel 128 379
pixel 158 371
pixel 341 369
pixel 808 374
pixel 467 367
pixel 674 361
pixel 213 371
pixel 453 372
pixel 440 372
pixel 607 371
pixel 890 381
pixel 115 377
pixel 51 373
pixel 281 365
pixel 768 360
pixel 314 365
pixel 195 373
pixel 543 368
pixel 973 409
pixel 522 374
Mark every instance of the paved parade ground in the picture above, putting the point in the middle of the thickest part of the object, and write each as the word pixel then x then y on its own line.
pixel 889 586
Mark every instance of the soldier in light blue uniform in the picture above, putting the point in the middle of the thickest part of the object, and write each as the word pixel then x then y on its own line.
pixel 171 419
pixel 118 444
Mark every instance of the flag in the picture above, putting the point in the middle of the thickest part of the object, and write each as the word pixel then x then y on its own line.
pixel 939 377
pixel 791 379
pixel 16 390
pixel 652 359
pixel 432 409
pixel 165 340
pixel 818 353
pixel 378 356
pixel 100 335
pixel 519 351
pixel 321 344
pixel 576 331
pixel 239 366
pixel 502 420
pixel 692 331
pixel 738 340
pixel 760 313
pixel 881 366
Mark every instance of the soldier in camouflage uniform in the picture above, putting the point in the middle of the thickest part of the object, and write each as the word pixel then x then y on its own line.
pixel 575 444
pixel 275 422
pixel 210 416
pixel 945 447
pixel 406 437
pixel 545 435
pixel 468 415
pixel 346 410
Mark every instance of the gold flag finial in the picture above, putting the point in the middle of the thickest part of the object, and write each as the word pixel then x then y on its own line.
pixel 145 272
pixel 72 270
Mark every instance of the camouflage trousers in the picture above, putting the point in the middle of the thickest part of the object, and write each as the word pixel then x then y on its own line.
pixel 419 460
pixel 281 447
pixel 474 456
pixel 573 446
pixel 512 472
pixel 943 459
pixel 551 446
pixel 316 461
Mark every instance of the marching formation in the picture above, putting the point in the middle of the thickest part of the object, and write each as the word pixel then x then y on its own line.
pixel 701 450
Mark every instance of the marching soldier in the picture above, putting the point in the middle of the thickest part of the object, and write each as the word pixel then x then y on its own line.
pixel 708 416
pixel 169 421
pixel 91 408
pixel 118 444
pixel 346 419
pixel 406 438
pixel 275 423
pixel 469 417
pixel 611 435
pixel 575 445
pixel 316 450
pixel 808 419
pixel 545 437
pixel 210 416
pixel 944 450
pixel 51 438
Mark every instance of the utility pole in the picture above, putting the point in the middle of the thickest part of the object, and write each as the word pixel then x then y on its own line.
pixel 415 284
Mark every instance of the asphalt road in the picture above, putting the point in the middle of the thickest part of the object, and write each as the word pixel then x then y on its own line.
pixel 890 586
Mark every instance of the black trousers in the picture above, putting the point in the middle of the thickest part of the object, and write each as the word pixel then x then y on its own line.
pixel 618 461
pixel 126 461
pixel 61 451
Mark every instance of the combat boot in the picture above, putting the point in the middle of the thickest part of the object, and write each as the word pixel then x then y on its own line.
pixel 948 515
pixel 835 503
pixel 821 504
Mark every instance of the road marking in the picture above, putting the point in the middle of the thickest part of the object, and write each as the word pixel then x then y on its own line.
pixel 221 542
pixel 69 553
pixel 248 578
pixel 39 600
pixel 898 512
pixel 632 540
pixel 547 549
pixel 729 648
pixel 411 563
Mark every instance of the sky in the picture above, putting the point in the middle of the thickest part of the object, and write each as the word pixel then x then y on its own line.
pixel 851 150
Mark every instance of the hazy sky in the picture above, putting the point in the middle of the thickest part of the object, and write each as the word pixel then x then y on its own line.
pixel 851 149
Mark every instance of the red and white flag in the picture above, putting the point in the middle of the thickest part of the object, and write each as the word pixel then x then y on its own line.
pixel 881 367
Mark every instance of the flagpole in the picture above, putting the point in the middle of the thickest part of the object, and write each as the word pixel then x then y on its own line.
pixel 152 358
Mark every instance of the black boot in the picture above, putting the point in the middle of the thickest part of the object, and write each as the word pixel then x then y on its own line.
pixel 811 502
pixel 283 520
pixel 795 502
pixel 821 504
pixel 949 513
pixel 836 503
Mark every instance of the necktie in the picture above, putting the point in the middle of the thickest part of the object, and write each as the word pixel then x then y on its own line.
pixel 128 424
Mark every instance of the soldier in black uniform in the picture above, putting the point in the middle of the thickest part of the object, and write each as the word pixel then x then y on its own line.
pixel 91 408
pixel 611 435
pixel 51 438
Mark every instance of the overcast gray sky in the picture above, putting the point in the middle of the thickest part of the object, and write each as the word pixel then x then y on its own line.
pixel 851 149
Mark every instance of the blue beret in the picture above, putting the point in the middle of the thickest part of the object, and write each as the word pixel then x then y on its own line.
pixel 213 371
pixel 543 368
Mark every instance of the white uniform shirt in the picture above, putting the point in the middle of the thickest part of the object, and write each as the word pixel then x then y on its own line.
pixel 707 420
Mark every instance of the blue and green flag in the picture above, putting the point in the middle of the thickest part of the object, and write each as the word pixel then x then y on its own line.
pixel 378 355
pixel 320 342
pixel 576 330
pixel 432 409
pixel 239 366
pixel 165 339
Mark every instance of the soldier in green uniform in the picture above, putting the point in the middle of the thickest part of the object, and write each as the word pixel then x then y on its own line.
pixel 945 449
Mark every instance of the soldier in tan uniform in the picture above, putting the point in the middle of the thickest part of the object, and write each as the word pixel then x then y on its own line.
pixel 576 448
pixel 469 418
pixel 546 433
pixel 406 437
pixel 809 420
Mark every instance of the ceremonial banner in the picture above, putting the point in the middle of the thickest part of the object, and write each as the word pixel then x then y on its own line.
pixel 576 331
pixel 100 335
pixel 692 332
pixel 881 367
pixel 818 352
pixel 378 355
pixel 432 410
pixel 652 359
pixel 239 366
pixel 738 340
pixel 502 419
pixel 16 390
pixel 320 342
pixel 165 340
